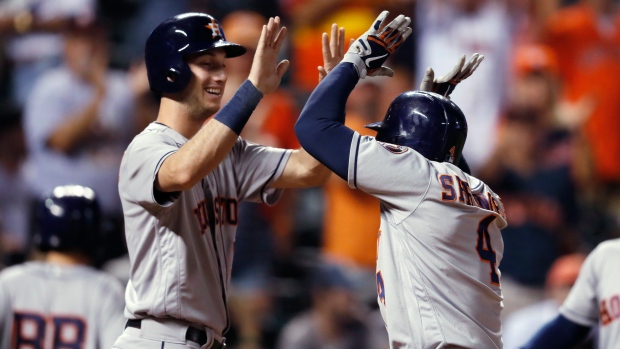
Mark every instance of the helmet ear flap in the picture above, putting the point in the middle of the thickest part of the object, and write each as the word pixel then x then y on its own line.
pixel 172 75
pixel 176 77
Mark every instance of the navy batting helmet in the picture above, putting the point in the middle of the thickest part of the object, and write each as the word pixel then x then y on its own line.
pixel 174 39
pixel 67 219
pixel 427 122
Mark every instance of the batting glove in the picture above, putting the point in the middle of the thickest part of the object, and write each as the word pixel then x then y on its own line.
pixel 372 49
pixel 446 84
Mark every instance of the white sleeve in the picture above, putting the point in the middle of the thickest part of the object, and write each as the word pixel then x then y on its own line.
pixel 255 167
pixel 389 172
pixel 581 306
pixel 140 165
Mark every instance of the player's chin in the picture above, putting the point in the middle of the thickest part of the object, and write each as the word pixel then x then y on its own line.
pixel 212 108
pixel 211 101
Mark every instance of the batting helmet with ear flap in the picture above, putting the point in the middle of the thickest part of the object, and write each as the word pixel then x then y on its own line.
pixel 174 39
pixel 427 122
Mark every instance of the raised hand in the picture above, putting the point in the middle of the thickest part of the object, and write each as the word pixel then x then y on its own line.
pixel 266 73
pixel 373 48
pixel 333 50
pixel 447 83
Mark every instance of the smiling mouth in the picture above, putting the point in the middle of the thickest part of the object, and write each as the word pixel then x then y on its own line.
pixel 214 91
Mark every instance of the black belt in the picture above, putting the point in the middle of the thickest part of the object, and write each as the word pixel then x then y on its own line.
pixel 193 334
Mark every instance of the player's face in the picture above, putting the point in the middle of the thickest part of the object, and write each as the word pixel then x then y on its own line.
pixel 204 92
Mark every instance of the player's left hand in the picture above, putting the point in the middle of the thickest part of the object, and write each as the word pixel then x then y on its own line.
pixel 373 48
pixel 447 83
pixel 333 50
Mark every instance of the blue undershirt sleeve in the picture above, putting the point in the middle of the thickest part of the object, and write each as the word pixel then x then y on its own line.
pixel 320 128
pixel 559 333
pixel 237 111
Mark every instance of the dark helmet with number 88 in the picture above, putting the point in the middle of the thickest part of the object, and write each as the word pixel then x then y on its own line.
pixel 174 39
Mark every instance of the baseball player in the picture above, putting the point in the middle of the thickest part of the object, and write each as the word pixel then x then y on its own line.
pixel 182 178
pixel 593 301
pixel 439 243
pixel 61 302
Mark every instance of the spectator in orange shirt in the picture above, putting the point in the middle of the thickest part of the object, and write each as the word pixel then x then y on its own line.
pixel 586 40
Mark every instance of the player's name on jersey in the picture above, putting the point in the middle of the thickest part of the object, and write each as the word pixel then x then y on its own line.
pixel 456 189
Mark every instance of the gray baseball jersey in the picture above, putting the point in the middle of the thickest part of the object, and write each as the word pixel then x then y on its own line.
pixel 180 268
pixel 595 297
pixel 439 248
pixel 50 306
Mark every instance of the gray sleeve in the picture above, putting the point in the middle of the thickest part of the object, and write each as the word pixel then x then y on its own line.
pixel 255 167
pixel 389 172
pixel 581 306
pixel 140 165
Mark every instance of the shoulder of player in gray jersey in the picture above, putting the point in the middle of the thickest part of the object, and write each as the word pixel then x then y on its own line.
pixel 154 135
pixel 13 273
pixel 241 145
pixel 608 247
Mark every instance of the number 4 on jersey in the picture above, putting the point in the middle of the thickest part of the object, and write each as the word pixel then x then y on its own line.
pixel 484 248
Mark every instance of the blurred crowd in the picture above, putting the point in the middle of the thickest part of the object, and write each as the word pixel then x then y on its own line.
pixel 544 120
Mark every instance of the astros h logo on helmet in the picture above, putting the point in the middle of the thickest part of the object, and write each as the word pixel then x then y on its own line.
pixel 215 29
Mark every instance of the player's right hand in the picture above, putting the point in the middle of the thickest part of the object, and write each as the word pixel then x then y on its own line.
pixel 372 49
pixel 266 72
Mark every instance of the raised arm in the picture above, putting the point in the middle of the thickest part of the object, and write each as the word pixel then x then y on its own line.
pixel 320 128
pixel 205 150
pixel 302 170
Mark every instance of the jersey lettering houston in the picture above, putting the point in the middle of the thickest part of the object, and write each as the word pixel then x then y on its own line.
pixel 439 248
pixel 177 261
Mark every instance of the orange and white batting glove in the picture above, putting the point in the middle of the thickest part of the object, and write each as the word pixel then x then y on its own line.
pixel 372 49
